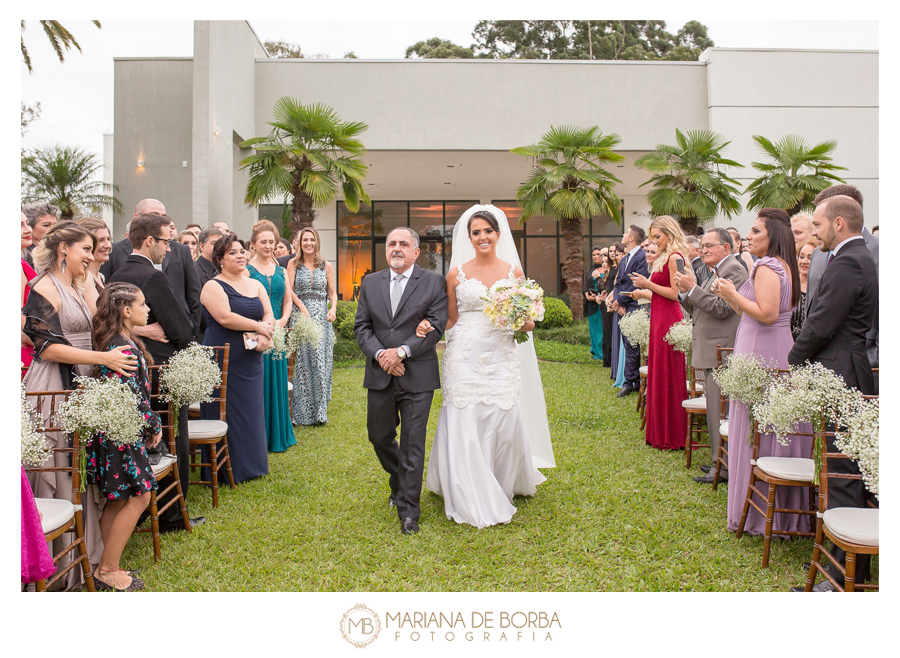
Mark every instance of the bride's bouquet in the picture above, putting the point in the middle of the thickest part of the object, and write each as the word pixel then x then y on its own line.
pixel 510 304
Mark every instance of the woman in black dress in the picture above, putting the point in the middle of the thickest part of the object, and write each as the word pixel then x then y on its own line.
pixel 235 304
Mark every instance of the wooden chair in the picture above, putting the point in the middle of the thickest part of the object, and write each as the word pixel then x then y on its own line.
pixel 777 472
pixel 642 396
pixel 291 359
pixel 722 457
pixel 695 408
pixel 209 434
pixel 852 529
pixel 167 467
pixel 58 515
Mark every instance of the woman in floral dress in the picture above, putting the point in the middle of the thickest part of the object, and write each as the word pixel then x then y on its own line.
pixel 314 288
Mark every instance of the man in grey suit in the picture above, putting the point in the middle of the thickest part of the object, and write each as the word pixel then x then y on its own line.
pixel 820 258
pixel 715 323
pixel 401 368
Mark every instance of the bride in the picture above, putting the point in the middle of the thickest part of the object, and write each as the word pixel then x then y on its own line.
pixel 482 454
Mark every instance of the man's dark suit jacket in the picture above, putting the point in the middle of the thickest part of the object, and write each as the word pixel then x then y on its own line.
pixel 163 303
pixel 205 270
pixel 834 333
pixel 178 266
pixel 425 296
pixel 284 260
pixel 637 263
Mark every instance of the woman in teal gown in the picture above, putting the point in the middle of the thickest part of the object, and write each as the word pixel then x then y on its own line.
pixel 594 284
pixel 264 268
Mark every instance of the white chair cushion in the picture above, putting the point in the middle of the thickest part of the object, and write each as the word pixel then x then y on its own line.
pixel 195 407
pixel 55 513
pixel 290 386
pixel 206 429
pixel 163 464
pixel 787 468
pixel 643 370
pixel 698 385
pixel 695 403
pixel 857 525
pixel 723 428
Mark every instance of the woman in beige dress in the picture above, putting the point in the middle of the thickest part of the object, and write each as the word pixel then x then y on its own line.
pixel 58 322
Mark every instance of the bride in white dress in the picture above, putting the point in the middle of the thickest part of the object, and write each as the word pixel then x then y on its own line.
pixel 482 454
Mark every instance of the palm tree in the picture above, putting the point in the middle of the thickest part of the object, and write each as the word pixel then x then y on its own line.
pixel 794 176
pixel 59 38
pixel 66 176
pixel 689 178
pixel 568 182
pixel 308 157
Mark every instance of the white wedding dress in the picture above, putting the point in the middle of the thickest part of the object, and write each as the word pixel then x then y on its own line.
pixel 481 457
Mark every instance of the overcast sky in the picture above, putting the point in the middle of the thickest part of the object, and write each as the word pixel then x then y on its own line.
pixel 77 97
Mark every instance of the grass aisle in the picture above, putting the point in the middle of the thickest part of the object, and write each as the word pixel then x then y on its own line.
pixel 614 515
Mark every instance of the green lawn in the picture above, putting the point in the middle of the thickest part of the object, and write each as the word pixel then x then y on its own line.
pixel 614 515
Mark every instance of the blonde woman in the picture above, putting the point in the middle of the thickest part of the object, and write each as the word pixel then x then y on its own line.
pixel 805 251
pixel 313 290
pixel 666 368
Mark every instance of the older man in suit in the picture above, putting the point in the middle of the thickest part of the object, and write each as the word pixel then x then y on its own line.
pixel 633 262
pixel 178 266
pixel 715 323
pixel 151 239
pixel 834 335
pixel 401 368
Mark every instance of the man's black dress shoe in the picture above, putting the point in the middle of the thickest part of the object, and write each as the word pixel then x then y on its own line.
pixel 710 477
pixel 824 586
pixel 706 468
pixel 409 526
pixel 178 525
pixel 626 390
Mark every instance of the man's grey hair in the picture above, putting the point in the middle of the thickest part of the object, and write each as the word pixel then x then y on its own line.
pixel 207 233
pixel 127 228
pixel 414 239
pixel 724 237
pixel 37 209
pixel 692 240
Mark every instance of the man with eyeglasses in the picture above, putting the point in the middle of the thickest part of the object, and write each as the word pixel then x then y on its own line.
pixel 714 322
pixel 178 266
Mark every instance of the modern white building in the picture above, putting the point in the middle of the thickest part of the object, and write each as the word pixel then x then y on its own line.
pixel 440 132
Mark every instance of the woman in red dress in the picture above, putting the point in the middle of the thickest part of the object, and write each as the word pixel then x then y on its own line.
pixel 666 389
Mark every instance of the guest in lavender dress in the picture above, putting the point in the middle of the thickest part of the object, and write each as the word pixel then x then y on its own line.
pixel 764 303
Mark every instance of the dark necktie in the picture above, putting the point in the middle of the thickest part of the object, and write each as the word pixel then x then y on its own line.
pixel 830 257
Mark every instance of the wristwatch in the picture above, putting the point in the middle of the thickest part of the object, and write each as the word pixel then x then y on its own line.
pixel 401 352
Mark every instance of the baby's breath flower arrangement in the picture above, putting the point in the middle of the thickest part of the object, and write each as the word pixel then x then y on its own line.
pixel 304 330
pixel 635 326
pixel 190 376
pixel 35 449
pixel 680 335
pixel 744 378
pixel 860 440
pixel 105 406
pixel 810 393
pixel 279 348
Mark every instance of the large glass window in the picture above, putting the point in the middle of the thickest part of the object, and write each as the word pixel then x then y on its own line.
pixel 361 239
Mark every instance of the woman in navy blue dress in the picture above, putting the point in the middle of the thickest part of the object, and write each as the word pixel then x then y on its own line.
pixel 235 304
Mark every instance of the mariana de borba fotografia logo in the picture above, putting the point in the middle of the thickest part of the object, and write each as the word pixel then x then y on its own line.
pixel 361 625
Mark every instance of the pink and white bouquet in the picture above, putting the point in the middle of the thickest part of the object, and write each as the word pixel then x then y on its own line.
pixel 510 304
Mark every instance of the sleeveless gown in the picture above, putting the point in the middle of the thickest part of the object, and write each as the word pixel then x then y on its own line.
pixel 666 390
pixel 312 366
pixel 480 458
pixel 75 320
pixel 279 433
pixel 244 401
pixel 772 343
